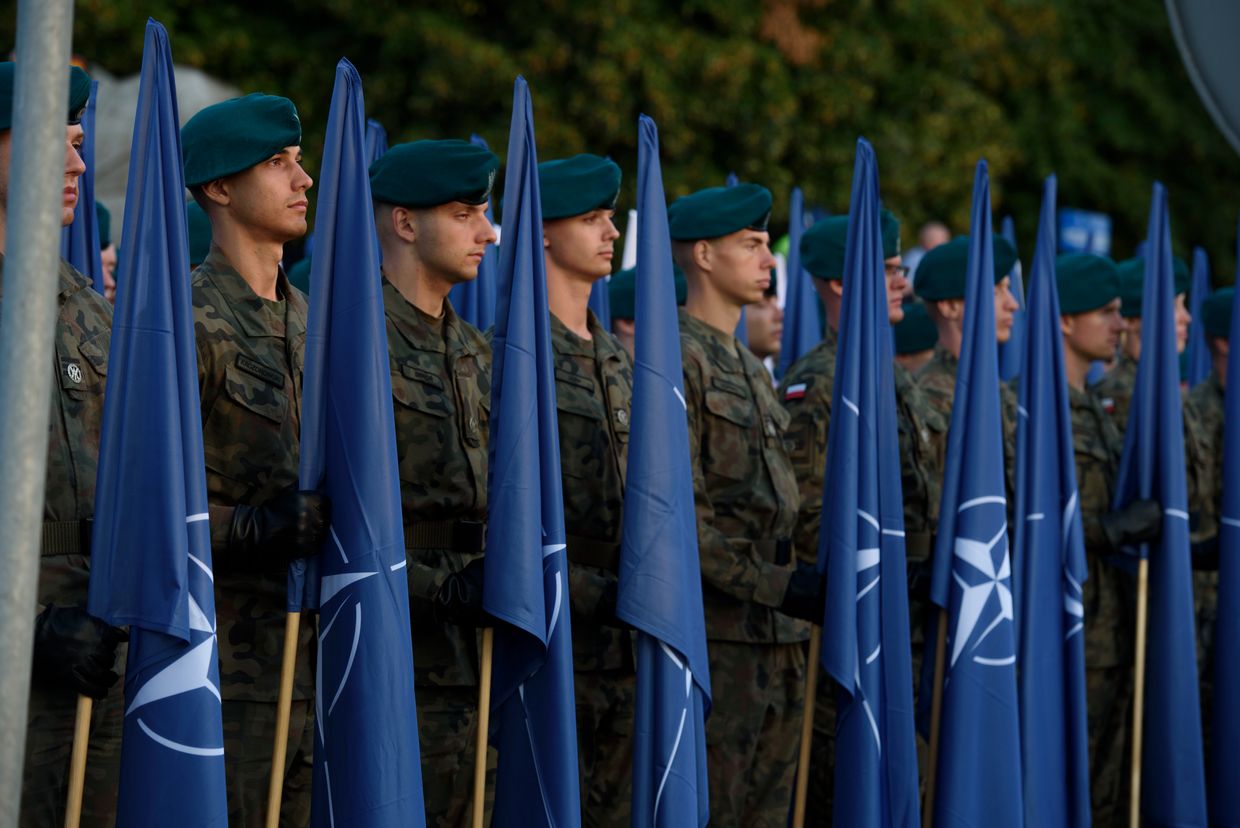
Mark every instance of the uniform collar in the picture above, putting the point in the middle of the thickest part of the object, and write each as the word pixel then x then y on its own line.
pixel 411 324
pixel 600 346
pixel 254 316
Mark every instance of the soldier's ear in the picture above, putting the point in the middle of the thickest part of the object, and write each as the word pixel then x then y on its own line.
pixel 952 309
pixel 1067 324
pixel 217 192
pixel 702 255
pixel 836 286
pixel 402 224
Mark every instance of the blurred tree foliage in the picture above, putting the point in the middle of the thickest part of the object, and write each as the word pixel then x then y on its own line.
pixel 776 90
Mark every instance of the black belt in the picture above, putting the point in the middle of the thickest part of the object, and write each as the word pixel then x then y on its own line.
pixel 66 537
pixel 592 552
pixel 463 536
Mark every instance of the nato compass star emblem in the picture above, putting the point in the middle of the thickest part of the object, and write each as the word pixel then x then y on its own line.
pixel 982 569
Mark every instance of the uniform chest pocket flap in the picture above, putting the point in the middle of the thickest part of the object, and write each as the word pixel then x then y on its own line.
pixel 258 387
pixel 728 400
pixel 415 387
pixel 85 371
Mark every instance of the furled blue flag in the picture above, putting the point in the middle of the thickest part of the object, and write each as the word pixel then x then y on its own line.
pixel 600 302
pixel 151 547
pixel 526 578
pixel 1152 467
pixel 660 592
pixel 474 301
pixel 1050 554
pixel 1225 717
pixel 79 242
pixel 376 141
pixel 1010 352
pixel 802 329
pixel 1198 353
pixel 979 775
pixel 367 771
pixel 861 547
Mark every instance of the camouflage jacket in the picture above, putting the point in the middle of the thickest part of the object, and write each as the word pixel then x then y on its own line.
pixel 441 391
pixel 594 390
pixel 744 487
pixel 1203 428
pixel 250 361
pixel 1115 390
pixel 1108 592
pixel 79 371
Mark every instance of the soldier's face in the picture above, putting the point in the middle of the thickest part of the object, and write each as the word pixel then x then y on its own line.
pixel 1182 320
pixel 897 286
pixel 450 239
pixel 74 167
pixel 1005 309
pixel 741 265
pixel 269 199
pixel 107 258
pixel 764 325
pixel 1094 334
pixel 584 245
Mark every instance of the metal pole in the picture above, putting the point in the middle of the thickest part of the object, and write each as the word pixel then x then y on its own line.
pixel 27 319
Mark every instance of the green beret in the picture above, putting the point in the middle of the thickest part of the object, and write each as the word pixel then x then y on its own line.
pixel 199 233
pixel 79 94
pixel 103 219
pixel 231 136
pixel 1085 282
pixel 941 274
pixel 822 246
pixel 1132 283
pixel 1216 313
pixel 430 173
pixel 622 291
pixel 718 211
pixel 577 185
pixel 299 275
pixel 915 332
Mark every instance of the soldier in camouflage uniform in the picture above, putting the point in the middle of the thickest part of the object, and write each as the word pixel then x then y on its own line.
pixel 74 653
pixel 807 389
pixel 746 493
pixel 242 165
pixel 593 387
pixel 430 212
pixel 1089 304
pixel 1116 387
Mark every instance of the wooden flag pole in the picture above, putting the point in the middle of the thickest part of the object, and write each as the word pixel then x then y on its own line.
pixel 1138 692
pixel 284 709
pixel 807 727
pixel 77 762
pixel 936 718
pixel 484 723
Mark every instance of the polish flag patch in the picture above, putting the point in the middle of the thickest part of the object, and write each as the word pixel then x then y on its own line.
pixel 794 392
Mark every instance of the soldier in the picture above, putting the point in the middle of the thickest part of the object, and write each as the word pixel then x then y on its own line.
pixel 430 213
pixel 1090 320
pixel 242 166
pixel 74 653
pixel 1116 387
pixel 594 389
pixel 107 250
pixel 915 337
pixel 764 325
pixel 746 495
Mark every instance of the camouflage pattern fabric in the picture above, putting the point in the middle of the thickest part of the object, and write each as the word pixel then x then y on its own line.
pixel 249 733
pixel 807 389
pixel 447 727
pixel 605 720
pixel 1115 390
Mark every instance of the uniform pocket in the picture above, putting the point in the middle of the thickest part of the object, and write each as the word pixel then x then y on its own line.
pixel 728 440
pixel 416 387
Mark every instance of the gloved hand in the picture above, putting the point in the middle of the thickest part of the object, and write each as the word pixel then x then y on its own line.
pixel 291 525
pixel 75 649
pixel 459 599
pixel 1138 522
pixel 806 595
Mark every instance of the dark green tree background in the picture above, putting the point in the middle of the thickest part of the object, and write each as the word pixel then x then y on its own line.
pixel 775 90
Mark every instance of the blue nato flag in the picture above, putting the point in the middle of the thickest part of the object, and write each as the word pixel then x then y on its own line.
pixel 367 770
pixel 526 578
pixel 151 548
pixel 802 328
pixel 1197 355
pixel 474 301
pixel 79 242
pixel 1050 552
pixel 861 547
pixel 1152 467
pixel 1225 717
pixel 979 780
pixel 660 591
pixel 1011 352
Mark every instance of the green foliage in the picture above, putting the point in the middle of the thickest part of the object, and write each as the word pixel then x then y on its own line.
pixel 776 91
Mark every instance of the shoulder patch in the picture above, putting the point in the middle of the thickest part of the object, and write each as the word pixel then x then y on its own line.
pixel 795 392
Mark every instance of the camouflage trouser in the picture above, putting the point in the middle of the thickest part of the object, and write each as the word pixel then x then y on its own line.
pixel 605 721
pixel 753 733
pixel 1205 596
pixel 1108 699
pixel 49 742
pixel 447 720
pixel 820 797
pixel 249 733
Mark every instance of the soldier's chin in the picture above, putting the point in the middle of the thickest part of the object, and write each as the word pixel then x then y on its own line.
pixel 66 216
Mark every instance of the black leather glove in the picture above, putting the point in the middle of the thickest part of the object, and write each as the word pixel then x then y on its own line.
pixel 291 525
pixel 74 649
pixel 459 599
pixel 805 597
pixel 1138 522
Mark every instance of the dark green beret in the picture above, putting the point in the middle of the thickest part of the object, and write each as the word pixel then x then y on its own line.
pixel 103 220
pixel 234 135
pixel 429 173
pixel 1216 313
pixel 79 94
pixel 941 274
pixel 823 245
pixel 1085 282
pixel 622 292
pixel 915 332
pixel 574 186
pixel 199 233
pixel 718 211
pixel 299 275
pixel 1132 283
